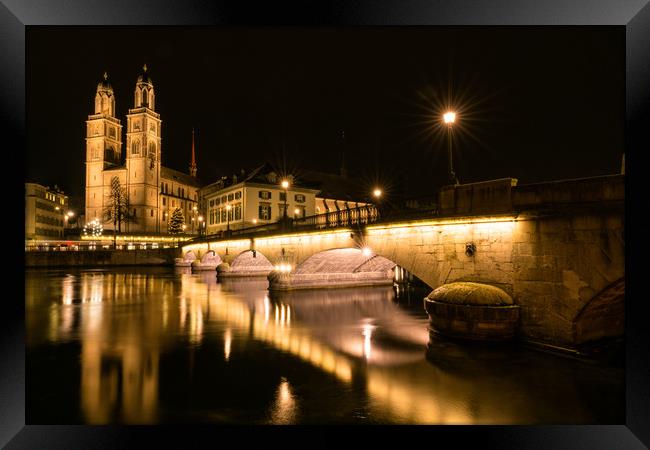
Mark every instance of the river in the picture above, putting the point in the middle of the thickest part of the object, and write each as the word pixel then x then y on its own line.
pixel 163 345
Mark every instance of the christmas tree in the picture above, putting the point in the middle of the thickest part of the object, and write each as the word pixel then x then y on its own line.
pixel 176 221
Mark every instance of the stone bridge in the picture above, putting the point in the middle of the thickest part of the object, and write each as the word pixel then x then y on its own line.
pixel 558 249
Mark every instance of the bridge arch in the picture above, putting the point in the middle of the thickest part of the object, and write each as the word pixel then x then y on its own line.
pixel 248 262
pixel 603 316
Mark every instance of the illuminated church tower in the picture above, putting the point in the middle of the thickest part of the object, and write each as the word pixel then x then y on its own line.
pixel 103 148
pixel 143 139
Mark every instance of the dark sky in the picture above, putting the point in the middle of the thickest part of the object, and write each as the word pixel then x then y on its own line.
pixel 535 103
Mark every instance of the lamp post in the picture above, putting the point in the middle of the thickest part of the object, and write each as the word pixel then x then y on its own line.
pixel 228 208
pixel 285 186
pixel 195 209
pixel 449 118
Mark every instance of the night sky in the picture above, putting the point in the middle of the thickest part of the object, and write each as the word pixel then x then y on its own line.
pixel 534 103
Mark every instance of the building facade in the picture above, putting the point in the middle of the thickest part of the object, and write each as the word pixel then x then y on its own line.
pixel 152 190
pixel 45 212
pixel 260 198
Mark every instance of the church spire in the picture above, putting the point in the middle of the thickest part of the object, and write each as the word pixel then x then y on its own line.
pixel 193 162
pixel 344 170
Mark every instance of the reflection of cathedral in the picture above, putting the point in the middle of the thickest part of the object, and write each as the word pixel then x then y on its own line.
pixel 154 191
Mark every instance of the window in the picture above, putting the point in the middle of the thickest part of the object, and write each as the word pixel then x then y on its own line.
pixel 283 196
pixel 231 197
pixel 299 198
pixel 183 192
pixel 211 203
pixel 223 214
pixel 217 201
pixel 134 212
pixel 237 195
pixel 152 149
pixel 135 148
pixel 224 199
pixel 264 211
pixel 264 195
pixel 179 191
pixel 111 132
pixel 152 213
pixel 164 201
pixel 217 216
pixel 237 210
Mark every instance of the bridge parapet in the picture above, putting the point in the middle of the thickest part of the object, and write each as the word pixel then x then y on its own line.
pixel 505 195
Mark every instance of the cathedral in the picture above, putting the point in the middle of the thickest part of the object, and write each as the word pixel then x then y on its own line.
pixel 154 191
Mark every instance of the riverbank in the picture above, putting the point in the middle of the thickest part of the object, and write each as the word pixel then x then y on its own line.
pixel 95 258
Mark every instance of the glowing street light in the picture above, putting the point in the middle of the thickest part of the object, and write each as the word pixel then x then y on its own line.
pixel 285 186
pixel 366 251
pixel 377 192
pixel 449 118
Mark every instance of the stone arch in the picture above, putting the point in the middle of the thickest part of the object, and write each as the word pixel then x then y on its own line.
pixel 250 262
pixel 343 260
pixel 603 316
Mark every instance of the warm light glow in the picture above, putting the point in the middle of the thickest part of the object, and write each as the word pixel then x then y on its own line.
pixel 228 207
pixel 195 208
pixel 254 220
pixel 184 226
pixel 200 218
pixel 377 192
pixel 449 117
pixel 285 184
pixel 57 208
pixel 70 214
pixel 366 251
pixel 227 342
pixel 297 211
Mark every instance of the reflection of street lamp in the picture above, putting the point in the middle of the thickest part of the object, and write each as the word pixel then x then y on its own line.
pixel 285 186
pixel 228 208
pixel 449 118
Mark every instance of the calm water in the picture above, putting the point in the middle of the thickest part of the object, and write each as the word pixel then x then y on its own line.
pixel 158 345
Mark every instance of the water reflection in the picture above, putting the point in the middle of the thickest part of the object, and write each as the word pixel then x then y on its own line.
pixel 284 409
pixel 375 355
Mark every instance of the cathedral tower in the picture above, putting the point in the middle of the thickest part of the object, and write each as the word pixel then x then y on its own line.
pixel 143 140
pixel 103 147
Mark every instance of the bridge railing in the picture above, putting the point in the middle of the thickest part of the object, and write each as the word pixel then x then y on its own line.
pixel 345 218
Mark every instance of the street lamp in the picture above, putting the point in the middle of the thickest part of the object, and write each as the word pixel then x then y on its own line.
pixel 200 224
pixel 285 186
pixel 228 208
pixel 377 193
pixel 449 118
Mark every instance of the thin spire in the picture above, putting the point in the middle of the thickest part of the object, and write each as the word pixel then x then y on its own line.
pixel 193 163
pixel 344 170
pixel 144 67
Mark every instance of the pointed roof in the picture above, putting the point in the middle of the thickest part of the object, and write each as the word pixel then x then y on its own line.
pixel 193 162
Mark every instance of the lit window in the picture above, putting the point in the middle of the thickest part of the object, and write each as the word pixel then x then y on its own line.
pixel 299 198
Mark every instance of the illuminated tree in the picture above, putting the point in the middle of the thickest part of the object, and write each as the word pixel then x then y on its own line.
pixel 176 221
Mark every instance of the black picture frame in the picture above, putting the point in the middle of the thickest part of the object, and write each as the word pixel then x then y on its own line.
pixel 16 15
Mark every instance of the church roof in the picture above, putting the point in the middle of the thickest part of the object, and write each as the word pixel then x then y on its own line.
pixel 171 174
